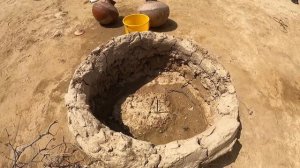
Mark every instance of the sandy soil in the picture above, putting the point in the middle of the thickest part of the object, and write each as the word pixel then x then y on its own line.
pixel 257 41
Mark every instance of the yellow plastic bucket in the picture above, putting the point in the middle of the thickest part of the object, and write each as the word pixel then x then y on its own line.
pixel 136 23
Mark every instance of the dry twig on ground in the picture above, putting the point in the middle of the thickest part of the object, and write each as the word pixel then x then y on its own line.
pixel 59 155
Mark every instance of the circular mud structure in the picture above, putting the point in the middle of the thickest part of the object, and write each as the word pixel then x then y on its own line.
pixel 152 100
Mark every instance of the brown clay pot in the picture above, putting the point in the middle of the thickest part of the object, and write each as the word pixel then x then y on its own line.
pixel 158 12
pixel 105 12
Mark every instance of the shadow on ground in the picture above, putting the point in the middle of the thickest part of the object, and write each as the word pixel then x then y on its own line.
pixel 117 24
pixel 170 25
pixel 230 157
pixel 226 159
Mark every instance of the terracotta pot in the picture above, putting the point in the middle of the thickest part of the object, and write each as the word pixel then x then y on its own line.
pixel 105 12
pixel 157 11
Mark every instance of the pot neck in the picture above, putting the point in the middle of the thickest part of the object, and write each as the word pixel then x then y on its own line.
pixel 109 1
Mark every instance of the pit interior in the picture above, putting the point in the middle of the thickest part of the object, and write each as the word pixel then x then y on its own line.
pixel 155 98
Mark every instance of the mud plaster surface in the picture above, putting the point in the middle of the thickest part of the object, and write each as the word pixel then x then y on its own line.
pixel 130 57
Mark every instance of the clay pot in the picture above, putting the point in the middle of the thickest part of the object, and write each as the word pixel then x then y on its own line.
pixel 157 11
pixel 105 12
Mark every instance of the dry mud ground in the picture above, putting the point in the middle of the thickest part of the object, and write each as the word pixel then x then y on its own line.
pixel 257 41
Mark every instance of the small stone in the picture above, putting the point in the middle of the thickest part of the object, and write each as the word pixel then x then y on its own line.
pixel 79 32
pixel 60 15
pixel 250 112
pixel 110 149
pixel 191 108
pixel 93 1
pixel 62 61
pixel 57 33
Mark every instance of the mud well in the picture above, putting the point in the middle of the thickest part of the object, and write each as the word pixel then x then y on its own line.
pixel 153 99
pixel 147 88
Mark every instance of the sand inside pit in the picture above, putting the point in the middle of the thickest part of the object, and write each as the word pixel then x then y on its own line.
pixel 162 110
pixel 158 109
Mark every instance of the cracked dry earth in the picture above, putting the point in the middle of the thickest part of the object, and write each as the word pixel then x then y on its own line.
pixel 256 41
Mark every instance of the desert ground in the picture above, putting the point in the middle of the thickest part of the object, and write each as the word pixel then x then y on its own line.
pixel 258 42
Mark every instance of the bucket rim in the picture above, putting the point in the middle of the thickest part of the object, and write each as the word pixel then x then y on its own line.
pixel 138 14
